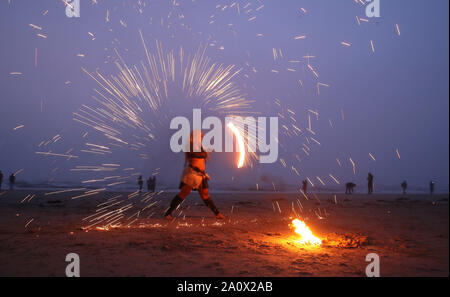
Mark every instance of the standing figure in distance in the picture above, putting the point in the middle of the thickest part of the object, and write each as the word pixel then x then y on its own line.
pixel 153 186
pixel 12 180
pixel 149 184
pixel 1 179
pixel 140 183
pixel 370 182
pixel 304 186
pixel 431 187
pixel 404 186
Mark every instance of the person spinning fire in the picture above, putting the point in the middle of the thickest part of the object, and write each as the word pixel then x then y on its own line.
pixel 194 178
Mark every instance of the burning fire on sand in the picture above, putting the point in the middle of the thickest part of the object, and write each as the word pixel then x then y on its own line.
pixel 306 235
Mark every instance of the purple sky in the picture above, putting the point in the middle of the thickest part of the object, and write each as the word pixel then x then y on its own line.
pixel 394 98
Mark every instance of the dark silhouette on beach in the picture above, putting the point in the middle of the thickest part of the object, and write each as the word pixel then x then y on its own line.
pixel 1 179
pixel 404 186
pixel 140 183
pixel 370 183
pixel 349 187
pixel 151 184
pixel 304 186
pixel 12 180
pixel 431 187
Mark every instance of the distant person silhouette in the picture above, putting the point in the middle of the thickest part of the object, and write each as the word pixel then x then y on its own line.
pixel 431 187
pixel 1 179
pixel 140 183
pixel 12 180
pixel 149 184
pixel 370 183
pixel 304 186
pixel 153 186
pixel 349 188
pixel 404 186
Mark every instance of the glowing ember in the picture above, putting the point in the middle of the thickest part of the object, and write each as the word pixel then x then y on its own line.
pixel 306 235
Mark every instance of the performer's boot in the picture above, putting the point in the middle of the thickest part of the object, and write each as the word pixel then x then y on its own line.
pixel 214 209
pixel 173 205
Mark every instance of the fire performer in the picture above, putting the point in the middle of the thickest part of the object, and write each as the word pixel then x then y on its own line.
pixel 194 178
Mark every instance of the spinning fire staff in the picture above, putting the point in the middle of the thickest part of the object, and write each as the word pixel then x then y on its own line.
pixel 194 178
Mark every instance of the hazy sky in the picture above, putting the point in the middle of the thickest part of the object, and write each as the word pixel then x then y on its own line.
pixel 376 102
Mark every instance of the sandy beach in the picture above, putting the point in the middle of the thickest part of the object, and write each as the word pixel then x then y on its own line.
pixel 410 233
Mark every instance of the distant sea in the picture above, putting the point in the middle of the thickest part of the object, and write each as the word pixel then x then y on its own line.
pixel 220 188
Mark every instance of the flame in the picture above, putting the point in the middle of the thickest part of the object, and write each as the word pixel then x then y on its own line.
pixel 240 141
pixel 306 235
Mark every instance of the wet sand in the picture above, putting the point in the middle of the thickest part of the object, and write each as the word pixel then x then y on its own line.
pixel 410 233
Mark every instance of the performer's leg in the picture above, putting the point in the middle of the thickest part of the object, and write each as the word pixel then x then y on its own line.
pixel 204 193
pixel 176 201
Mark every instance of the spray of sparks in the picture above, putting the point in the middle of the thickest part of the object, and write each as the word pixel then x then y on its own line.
pixel 132 99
